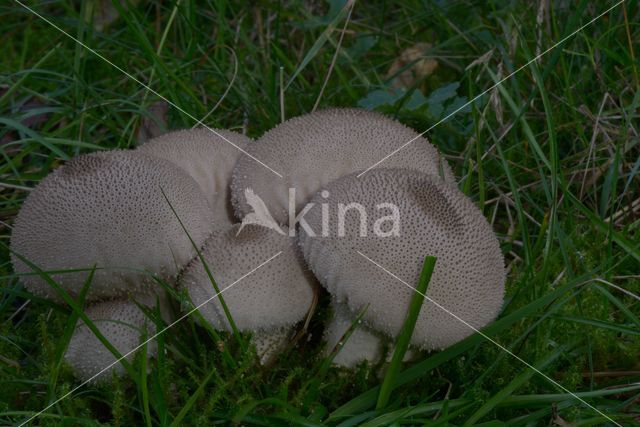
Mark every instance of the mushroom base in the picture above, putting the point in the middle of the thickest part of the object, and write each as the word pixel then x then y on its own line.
pixel 124 325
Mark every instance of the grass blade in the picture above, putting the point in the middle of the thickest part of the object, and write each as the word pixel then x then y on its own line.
pixel 227 313
pixel 514 385
pixel 368 398
pixel 407 330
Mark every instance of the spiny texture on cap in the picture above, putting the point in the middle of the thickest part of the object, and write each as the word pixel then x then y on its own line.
pixel 208 158
pixel 277 294
pixel 312 150
pixel 363 344
pixel 108 210
pixel 270 343
pixel 123 324
pixel 436 219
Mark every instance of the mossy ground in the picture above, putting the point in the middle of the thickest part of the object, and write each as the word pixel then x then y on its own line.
pixel 551 156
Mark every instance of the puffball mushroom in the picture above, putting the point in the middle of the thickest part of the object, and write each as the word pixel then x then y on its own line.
pixel 362 344
pixel 108 210
pixel 208 158
pixel 433 218
pixel 124 325
pixel 268 301
pixel 312 150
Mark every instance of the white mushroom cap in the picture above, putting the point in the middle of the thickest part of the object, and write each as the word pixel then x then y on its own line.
pixel 107 209
pixel 207 158
pixel 435 219
pixel 278 294
pixel 312 150
pixel 123 324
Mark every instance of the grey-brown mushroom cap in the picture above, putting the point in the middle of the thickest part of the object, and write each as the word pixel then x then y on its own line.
pixel 208 157
pixel 277 294
pixel 124 325
pixel 435 219
pixel 108 210
pixel 312 150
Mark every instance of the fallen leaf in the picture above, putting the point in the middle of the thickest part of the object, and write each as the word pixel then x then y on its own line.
pixel 418 66
pixel 154 123
pixel 105 12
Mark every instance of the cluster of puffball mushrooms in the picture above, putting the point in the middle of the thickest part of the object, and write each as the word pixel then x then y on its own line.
pixel 137 217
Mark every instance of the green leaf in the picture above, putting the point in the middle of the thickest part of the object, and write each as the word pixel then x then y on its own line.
pixel 381 97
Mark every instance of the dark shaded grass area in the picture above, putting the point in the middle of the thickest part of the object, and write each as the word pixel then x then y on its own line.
pixel 551 156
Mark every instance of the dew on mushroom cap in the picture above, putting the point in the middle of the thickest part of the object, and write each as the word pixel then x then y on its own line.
pixel 277 294
pixel 207 158
pixel 123 324
pixel 314 149
pixel 435 219
pixel 107 209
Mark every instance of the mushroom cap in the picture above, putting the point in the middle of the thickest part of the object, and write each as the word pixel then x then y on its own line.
pixel 123 324
pixel 436 219
pixel 278 294
pixel 271 343
pixel 312 150
pixel 107 209
pixel 207 158
pixel 363 343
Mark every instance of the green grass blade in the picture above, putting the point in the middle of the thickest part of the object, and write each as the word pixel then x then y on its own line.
pixel 21 80
pixel 144 384
pixel 177 421
pixel 227 312
pixel 407 331
pixel 78 310
pixel 516 383
pixel 369 398
pixel 319 43
pixel 35 135
pixel 63 343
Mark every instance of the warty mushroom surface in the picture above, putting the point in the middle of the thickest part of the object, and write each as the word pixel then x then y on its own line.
pixel 314 149
pixel 109 210
pixel 436 219
pixel 271 299
pixel 208 157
